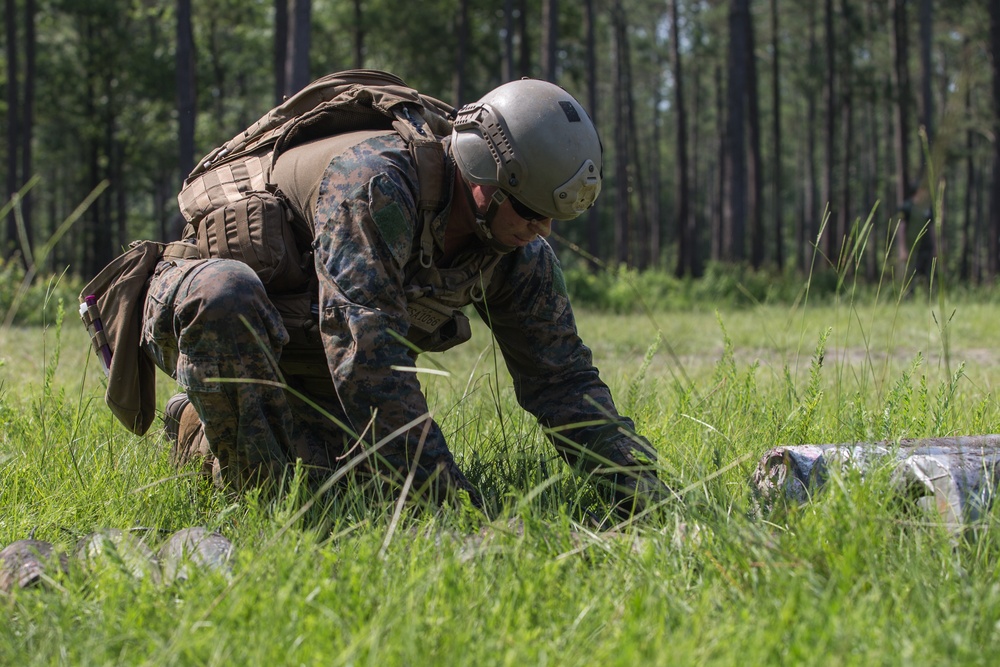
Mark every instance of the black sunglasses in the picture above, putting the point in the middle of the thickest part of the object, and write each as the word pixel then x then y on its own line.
pixel 525 212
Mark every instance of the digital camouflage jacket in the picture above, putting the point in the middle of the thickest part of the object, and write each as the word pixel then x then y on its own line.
pixel 359 193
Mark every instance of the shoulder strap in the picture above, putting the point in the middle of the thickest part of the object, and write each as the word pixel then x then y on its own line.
pixel 430 159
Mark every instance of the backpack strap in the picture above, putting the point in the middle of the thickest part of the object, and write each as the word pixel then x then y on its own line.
pixel 428 153
pixel 431 174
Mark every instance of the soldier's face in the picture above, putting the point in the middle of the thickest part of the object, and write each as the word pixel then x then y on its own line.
pixel 510 228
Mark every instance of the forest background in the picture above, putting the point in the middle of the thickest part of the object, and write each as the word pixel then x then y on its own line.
pixel 749 139
pixel 780 135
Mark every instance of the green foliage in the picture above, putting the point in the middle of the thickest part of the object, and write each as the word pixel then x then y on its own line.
pixel 33 303
pixel 625 290
pixel 105 108
pixel 853 576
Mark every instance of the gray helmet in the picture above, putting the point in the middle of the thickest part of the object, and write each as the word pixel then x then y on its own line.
pixel 533 141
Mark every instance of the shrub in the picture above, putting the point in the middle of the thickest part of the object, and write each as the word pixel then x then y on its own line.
pixel 36 303
pixel 624 290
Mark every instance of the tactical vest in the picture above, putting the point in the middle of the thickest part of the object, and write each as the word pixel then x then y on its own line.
pixel 234 209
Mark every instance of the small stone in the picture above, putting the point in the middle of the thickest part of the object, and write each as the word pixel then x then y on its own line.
pixel 194 546
pixel 25 562
pixel 121 548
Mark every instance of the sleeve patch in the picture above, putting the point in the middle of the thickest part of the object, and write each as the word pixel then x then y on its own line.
pixel 390 219
pixel 559 281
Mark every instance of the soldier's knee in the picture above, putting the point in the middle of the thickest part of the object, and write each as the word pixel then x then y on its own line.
pixel 227 287
pixel 222 306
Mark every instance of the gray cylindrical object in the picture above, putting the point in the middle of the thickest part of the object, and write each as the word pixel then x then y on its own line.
pixel 953 476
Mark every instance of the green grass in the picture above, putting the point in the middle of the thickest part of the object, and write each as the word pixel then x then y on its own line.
pixel 848 579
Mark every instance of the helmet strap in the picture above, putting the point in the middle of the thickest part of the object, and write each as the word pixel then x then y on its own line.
pixel 482 227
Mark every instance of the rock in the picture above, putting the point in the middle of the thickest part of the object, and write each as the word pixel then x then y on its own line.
pixel 194 546
pixel 24 563
pixel 121 548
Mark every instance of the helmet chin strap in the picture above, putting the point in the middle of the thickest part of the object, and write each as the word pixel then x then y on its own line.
pixel 484 220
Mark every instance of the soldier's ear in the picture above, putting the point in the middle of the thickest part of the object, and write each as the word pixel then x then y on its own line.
pixel 482 193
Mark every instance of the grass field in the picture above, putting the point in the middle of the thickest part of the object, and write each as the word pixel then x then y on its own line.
pixel 848 579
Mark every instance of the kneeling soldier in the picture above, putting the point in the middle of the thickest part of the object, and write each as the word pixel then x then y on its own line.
pixel 388 282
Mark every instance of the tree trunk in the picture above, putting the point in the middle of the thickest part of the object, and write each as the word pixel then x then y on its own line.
pixel 993 228
pixel 734 217
pixel 653 185
pixel 110 227
pixel 844 218
pixel 981 224
pixel 593 215
pixel 965 265
pixel 186 89
pixel 280 49
pixel 901 132
pixel 13 126
pixel 359 35
pixel 461 53
pixel 297 74
pixel 162 194
pixel 637 182
pixel 550 40
pixel 776 184
pixel 701 210
pixel 926 72
pixel 755 171
pixel 718 213
pixel 931 245
pixel 622 181
pixel 121 196
pixel 507 73
pixel 92 217
pixel 58 256
pixel 810 221
pixel 685 221
pixel 846 140
pixel 217 46
pixel 28 119
pixel 832 240
pixel 872 179
pixel 524 60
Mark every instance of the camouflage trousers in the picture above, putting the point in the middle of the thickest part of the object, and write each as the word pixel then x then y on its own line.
pixel 209 324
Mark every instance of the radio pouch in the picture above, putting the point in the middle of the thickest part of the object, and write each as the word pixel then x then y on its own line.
pixel 435 327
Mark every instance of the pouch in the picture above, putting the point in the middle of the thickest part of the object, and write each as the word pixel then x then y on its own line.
pixel 119 292
pixel 435 327
pixel 258 231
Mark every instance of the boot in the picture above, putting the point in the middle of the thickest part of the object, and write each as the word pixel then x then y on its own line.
pixel 184 431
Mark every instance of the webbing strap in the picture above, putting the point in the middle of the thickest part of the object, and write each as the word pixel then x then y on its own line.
pixel 92 314
pixel 428 154
pixel 181 250
pixel 219 232
pixel 245 243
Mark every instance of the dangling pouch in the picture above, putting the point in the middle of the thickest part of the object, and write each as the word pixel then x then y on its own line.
pixel 111 309
pixel 259 231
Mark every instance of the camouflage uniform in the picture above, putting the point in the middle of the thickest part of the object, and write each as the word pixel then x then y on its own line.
pixel 362 204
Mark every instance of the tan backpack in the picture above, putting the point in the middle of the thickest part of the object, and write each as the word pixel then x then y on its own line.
pixel 234 210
